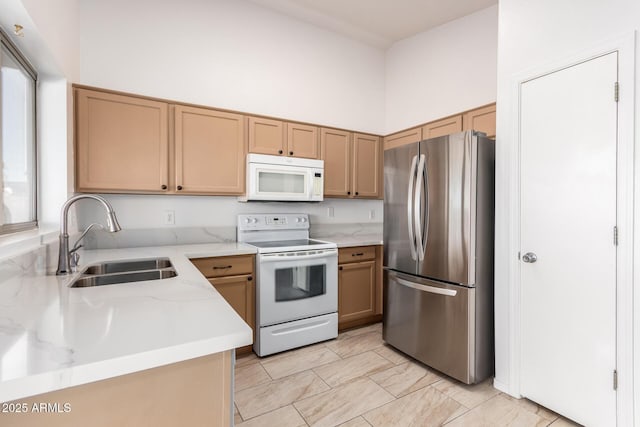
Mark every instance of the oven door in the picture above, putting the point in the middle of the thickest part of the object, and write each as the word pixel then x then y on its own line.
pixel 296 285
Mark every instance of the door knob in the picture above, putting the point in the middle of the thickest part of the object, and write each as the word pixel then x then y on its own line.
pixel 529 257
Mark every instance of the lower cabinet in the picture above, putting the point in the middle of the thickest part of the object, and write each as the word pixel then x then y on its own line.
pixel 359 286
pixel 233 278
pixel 194 392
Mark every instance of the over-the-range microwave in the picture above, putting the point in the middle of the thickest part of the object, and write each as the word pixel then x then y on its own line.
pixel 286 179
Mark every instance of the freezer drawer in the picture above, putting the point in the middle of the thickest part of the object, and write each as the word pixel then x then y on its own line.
pixel 434 323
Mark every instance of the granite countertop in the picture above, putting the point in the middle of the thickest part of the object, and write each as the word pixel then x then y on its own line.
pixel 53 337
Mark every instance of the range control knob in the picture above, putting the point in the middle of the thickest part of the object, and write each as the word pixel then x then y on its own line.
pixel 303 219
pixel 254 220
pixel 247 220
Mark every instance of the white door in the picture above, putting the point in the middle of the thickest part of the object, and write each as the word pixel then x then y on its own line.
pixel 568 213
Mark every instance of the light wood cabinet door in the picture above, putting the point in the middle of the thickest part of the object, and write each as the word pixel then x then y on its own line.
pixel 302 141
pixel 481 119
pixel 122 143
pixel 240 293
pixel 442 127
pixel 367 166
pixel 335 150
pixel 356 291
pixel 266 136
pixel 403 138
pixel 209 151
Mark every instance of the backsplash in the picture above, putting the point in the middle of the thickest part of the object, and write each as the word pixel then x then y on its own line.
pixel 206 219
pixel 131 238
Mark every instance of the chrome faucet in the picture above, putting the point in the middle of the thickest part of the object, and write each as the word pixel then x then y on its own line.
pixel 64 254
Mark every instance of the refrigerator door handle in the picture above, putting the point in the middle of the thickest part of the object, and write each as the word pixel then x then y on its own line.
pixel 426 288
pixel 410 194
pixel 417 211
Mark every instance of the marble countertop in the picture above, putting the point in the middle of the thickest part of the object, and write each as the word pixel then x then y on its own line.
pixel 54 337
pixel 347 241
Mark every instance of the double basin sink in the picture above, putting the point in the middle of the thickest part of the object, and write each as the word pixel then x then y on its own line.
pixel 113 272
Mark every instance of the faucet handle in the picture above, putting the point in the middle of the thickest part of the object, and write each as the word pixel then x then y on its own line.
pixel 75 258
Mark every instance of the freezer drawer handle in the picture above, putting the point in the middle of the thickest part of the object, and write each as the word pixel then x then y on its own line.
pixel 425 288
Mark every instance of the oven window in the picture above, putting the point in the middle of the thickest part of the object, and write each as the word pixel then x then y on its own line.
pixel 275 182
pixel 300 282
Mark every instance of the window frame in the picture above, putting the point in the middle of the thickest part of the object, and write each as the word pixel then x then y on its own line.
pixel 6 229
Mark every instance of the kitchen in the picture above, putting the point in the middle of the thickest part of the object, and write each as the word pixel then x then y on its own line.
pixel 375 92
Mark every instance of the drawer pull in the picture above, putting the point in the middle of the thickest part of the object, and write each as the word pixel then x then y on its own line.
pixel 222 268
pixel 358 254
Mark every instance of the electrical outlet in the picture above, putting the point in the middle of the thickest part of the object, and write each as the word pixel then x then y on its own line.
pixel 169 217
pixel 372 214
pixel 330 212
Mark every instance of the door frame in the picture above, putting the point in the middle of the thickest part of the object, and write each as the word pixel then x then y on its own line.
pixel 509 162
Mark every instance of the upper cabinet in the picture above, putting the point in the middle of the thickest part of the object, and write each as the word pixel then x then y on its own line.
pixel 209 151
pixel 121 143
pixel 302 141
pixel 266 136
pixel 367 166
pixel 442 127
pixel 278 138
pixel 481 119
pixel 403 138
pixel 335 149
pixel 352 164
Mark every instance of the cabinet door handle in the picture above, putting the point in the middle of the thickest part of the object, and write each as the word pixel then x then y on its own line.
pixel 358 254
pixel 164 187
pixel 356 193
pixel 179 187
pixel 291 153
pixel 348 193
pixel 222 268
pixel 340 268
pixel 279 151
pixel 249 278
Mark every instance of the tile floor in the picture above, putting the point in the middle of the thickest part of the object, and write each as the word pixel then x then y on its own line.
pixel 356 380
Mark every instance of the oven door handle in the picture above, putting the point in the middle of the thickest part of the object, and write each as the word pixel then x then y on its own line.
pixel 280 258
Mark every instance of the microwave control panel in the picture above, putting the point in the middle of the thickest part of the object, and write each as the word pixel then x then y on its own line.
pixel 317 184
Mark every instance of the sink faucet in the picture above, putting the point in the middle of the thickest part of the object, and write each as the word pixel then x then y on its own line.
pixel 64 254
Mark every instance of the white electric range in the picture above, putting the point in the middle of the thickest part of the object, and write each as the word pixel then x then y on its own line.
pixel 296 282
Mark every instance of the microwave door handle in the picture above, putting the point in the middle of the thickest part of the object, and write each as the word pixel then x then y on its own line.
pixel 417 208
pixel 410 195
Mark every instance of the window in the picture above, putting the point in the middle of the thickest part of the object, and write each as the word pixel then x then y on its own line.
pixel 17 140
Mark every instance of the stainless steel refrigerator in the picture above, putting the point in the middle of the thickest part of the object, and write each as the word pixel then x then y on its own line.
pixel 438 253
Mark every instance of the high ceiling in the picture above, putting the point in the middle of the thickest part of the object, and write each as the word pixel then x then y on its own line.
pixel 379 23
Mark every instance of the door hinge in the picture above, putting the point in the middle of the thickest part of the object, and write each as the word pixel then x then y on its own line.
pixel 615 236
pixel 616 92
pixel 615 379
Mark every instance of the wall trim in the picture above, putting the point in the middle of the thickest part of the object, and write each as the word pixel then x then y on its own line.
pixel 625 46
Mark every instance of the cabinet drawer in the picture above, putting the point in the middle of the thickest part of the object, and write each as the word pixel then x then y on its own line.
pixel 225 266
pixel 356 254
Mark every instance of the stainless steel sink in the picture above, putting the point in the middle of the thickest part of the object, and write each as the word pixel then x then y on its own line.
pixel 109 267
pixel 114 272
pixel 112 279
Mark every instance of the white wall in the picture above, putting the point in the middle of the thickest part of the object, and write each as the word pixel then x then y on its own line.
pixel 532 34
pixel 57 23
pixel 232 54
pixel 443 71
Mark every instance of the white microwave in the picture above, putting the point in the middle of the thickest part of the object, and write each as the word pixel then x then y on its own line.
pixel 286 179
